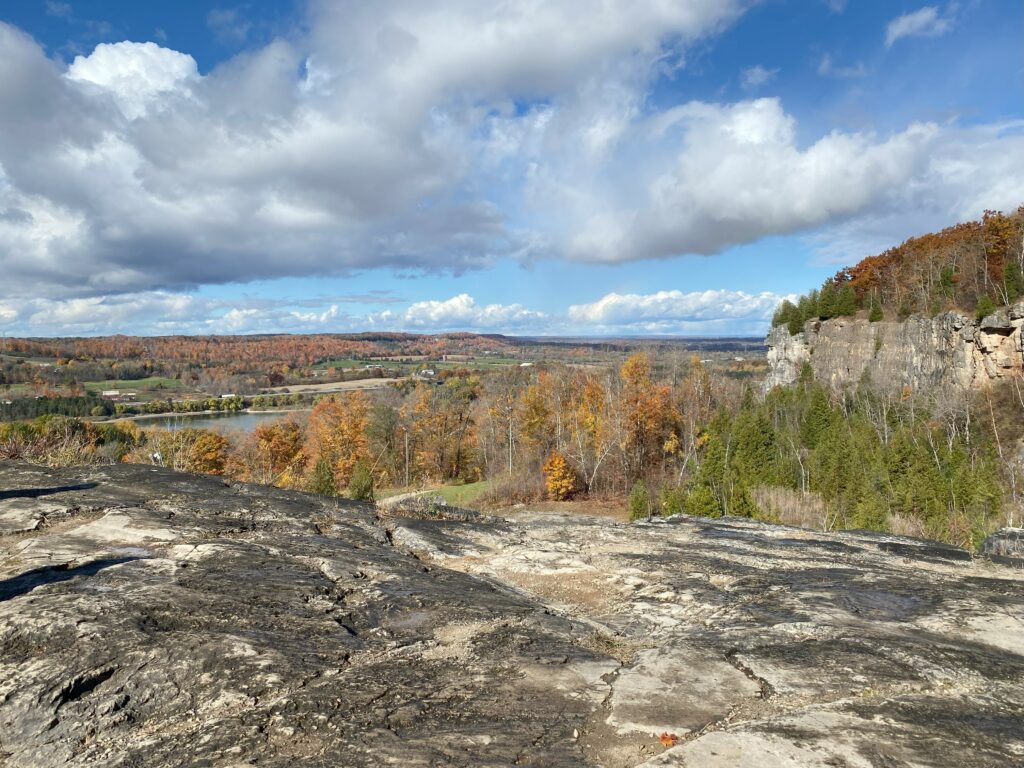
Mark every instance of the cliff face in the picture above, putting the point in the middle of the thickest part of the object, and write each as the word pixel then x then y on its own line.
pixel 950 350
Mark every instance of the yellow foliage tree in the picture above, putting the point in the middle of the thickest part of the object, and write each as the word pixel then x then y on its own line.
pixel 559 477
pixel 337 433
pixel 271 455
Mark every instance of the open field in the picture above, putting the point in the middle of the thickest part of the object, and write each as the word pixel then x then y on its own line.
pixel 333 386
pixel 152 382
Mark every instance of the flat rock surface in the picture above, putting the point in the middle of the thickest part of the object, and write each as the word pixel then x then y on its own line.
pixel 150 618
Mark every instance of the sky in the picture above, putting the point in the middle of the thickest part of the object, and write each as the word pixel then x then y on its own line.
pixel 532 167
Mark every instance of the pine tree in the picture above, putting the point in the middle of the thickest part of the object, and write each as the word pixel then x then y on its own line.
pixel 817 418
pixel 321 481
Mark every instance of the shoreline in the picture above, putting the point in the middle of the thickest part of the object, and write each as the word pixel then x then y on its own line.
pixel 191 414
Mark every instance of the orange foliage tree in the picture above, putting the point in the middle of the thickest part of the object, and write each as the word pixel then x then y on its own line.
pixel 337 433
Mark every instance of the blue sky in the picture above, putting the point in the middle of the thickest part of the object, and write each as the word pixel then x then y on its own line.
pixel 525 167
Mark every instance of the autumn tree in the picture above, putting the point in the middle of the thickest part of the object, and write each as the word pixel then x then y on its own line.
pixel 559 478
pixel 337 434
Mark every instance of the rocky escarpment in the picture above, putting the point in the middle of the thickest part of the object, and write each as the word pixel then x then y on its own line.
pixel 950 350
pixel 149 618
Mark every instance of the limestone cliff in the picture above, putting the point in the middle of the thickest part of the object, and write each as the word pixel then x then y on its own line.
pixel 950 350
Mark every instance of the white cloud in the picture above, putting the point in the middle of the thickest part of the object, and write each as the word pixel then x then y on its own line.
pixel 229 24
pixel 836 6
pixel 924 22
pixel 756 76
pixel 736 173
pixel 675 311
pixel 365 143
pixel 428 135
pixel 158 312
pixel 60 10
pixel 459 313
pixel 966 171
pixel 828 68
pixel 135 75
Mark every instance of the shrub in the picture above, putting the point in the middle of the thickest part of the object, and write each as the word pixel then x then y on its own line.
pixel 702 502
pixel 639 502
pixel 673 500
pixel 508 490
pixel 984 308
pixel 360 485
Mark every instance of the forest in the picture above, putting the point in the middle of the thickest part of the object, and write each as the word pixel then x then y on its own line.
pixel 974 267
pixel 660 436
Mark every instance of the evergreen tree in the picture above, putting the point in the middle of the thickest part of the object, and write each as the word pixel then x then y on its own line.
pixel 702 502
pixel 741 504
pixel 846 302
pixel 756 452
pixel 360 484
pixel 321 481
pixel 875 313
pixel 817 418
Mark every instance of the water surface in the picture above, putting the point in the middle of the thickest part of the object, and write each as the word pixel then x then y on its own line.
pixel 220 422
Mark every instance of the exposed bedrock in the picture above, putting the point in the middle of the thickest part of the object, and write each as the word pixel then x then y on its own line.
pixel 149 618
pixel 950 350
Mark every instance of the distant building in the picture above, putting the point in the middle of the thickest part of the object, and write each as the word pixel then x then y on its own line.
pixel 427 372
pixel 526 365
pixel 228 396
pixel 118 395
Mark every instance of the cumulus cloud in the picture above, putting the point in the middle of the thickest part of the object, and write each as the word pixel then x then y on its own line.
pixel 958 182
pixel 161 312
pixel 362 144
pixel 134 75
pixel 924 22
pixel 676 312
pixel 736 174
pixel 458 313
pixel 756 76
pixel 421 135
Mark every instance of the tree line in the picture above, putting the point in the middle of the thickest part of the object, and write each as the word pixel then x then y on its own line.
pixel 976 266
pixel 672 438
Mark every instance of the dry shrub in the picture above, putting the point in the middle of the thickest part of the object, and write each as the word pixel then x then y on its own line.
pixel 791 507
pixel 905 525
pixel 514 489
pixel 59 443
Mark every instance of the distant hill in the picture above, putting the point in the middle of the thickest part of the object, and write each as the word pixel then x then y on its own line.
pixel 975 266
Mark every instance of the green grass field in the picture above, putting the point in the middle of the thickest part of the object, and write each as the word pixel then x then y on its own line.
pixel 456 495
pixel 461 495
pixel 151 382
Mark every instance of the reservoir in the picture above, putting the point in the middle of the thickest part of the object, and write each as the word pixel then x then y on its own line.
pixel 221 422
